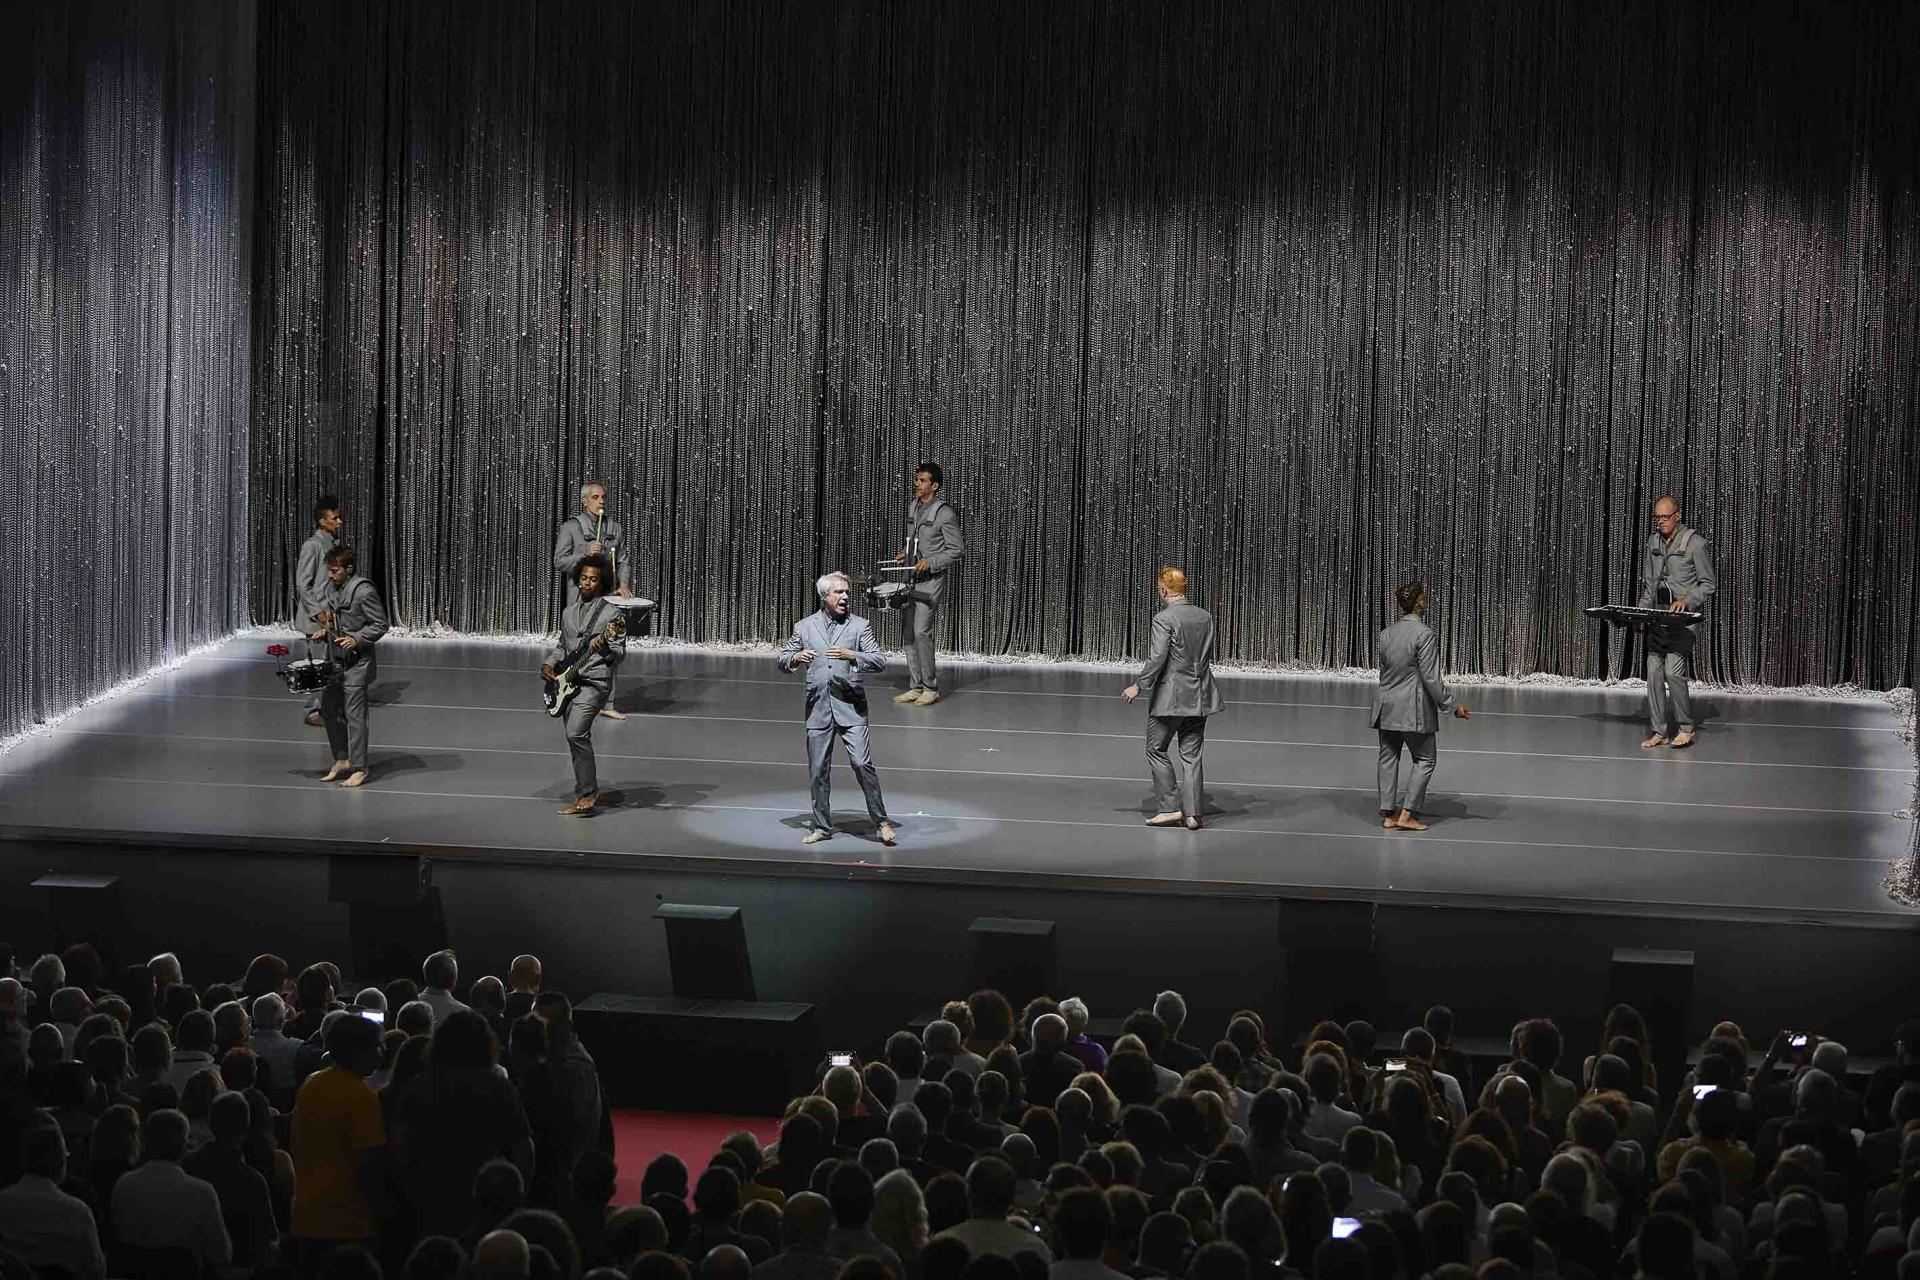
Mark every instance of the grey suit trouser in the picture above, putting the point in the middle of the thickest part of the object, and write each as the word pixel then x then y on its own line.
pixel 1668 699
pixel 580 716
pixel 1170 796
pixel 1423 747
pixel 344 703
pixel 820 765
pixel 916 636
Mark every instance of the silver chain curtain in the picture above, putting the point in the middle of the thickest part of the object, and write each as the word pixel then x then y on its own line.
pixel 126 145
pixel 1308 299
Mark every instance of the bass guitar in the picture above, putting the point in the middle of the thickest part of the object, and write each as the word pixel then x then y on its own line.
pixel 560 691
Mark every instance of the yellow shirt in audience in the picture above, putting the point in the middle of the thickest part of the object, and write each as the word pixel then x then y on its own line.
pixel 336 1118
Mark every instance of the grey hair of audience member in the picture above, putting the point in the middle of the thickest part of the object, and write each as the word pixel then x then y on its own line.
pixel 1050 1031
pixel 371 998
pixel 725 1262
pixel 1171 1008
pixel 269 1012
pixel 502 1253
pixel 415 1018
pixel 899 1212
pixel 941 1038
pixel 1073 1107
pixel 907 1129
pixel 1074 1010
pixel 1566 1176
pixel 1830 1056
pixel 879 1157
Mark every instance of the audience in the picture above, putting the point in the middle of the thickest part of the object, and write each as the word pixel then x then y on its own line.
pixel 145 1118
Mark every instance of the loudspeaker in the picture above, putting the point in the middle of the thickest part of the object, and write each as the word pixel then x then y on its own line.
pixel 85 908
pixel 1660 985
pixel 1013 957
pixel 707 951
pixel 394 916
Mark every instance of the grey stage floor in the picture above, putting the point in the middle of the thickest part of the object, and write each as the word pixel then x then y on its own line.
pixel 1785 807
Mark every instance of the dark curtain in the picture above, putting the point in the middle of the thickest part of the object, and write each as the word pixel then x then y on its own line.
pixel 1306 299
pixel 126 148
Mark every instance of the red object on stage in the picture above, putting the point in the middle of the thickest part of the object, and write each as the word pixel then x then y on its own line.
pixel 277 650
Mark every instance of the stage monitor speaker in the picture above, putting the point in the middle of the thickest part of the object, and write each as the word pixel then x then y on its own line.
pixel 394 915
pixel 85 908
pixel 1332 970
pixel 707 951
pixel 1660 985
pixel 1013 957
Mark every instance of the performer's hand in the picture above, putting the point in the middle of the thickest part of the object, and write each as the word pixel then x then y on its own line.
pixel 321 634
pixel 1129 693
pixel 840 651
pixel 623 593
pixel 922 565
pixel 599 645
pixel 1460 712
pixel 594 548
pixel 347 642
pixel 805 655
pixel 548 673
pixel 1678 606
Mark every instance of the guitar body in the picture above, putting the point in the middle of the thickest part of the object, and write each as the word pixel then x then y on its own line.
pixel 560 692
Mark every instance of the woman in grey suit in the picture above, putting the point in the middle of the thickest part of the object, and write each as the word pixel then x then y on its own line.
pixel 1407 707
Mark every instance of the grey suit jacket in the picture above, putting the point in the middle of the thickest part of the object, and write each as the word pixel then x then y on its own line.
pixel 310 578
pixel 816 631
pixel 1683 564
pixel 1178 675
pixel 579 621
pixel 1412 693
pixel 576 535
pixel 933 531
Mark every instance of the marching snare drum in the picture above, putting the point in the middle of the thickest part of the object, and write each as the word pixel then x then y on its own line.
pixel 638 611
pixel 888 595
pixel 307 675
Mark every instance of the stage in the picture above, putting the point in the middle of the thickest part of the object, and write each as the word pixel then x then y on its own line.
pixel 1025 775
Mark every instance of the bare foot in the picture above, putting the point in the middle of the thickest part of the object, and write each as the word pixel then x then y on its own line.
pixel 340 767
pixel 613 713
pixel 583 805
pixel 1654 740
pixel 887 834
pixel 1164 820
pixel 1194 824
pixel 1386 819
pixel 1682 739
pixel 1405 821
pixel 317 720
pixel 358 778
pixel 815 836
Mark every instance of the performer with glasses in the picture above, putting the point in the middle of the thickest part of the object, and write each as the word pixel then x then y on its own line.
pixel 1676 575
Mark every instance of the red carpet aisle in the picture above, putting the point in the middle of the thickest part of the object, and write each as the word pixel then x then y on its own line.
pixel 639 1136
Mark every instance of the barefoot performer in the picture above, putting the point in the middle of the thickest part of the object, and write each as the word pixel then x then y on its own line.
pixel 310 580
pixel 355 620
pixel 836 649
pixel 1181 694
pixel 1677 575
pixel 590 531
pixel 1407 707
pixel 588 615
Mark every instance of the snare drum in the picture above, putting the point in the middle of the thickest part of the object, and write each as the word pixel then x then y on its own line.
pixel 638 611
pixel 307 675
pixel 889 595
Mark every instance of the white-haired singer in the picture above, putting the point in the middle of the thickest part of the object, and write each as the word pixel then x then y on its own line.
pixel 837 650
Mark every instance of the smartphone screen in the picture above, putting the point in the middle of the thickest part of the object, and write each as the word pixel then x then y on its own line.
pixel 373 1015
pixel 1702 1090
pixel 1344 1227
pixel 839 1059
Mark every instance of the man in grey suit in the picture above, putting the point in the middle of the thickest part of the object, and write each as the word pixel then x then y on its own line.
pixel 837 650
pixel 1407 707
pixel 357 619
pixel 1677 573
pixel 933 547
pixel 1181 694
pixel 310 580
pixel 583 621
pixel 591 532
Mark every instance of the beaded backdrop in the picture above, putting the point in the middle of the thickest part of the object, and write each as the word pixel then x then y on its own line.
pixel 126 148
pixel 1308 299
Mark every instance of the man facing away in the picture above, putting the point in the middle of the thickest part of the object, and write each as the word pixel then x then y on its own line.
pixel 837 649
pixel 356 619
pixel 1407 707
pixel 933 547
pixel 1181 694
pixel 581 622
pixel 310 579
pixel 1676 574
